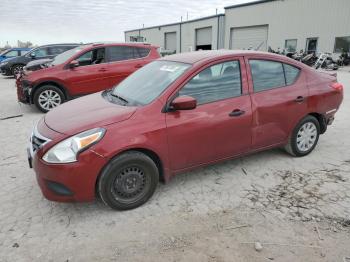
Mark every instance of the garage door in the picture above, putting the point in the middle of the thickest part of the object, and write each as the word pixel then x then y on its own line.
pixel 170 41
pixel 203 38
pixel 249 37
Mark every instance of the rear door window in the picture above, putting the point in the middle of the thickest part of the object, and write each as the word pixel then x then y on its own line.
pixel 121 53
pixel 291 73
pixel 266 74
pixel 23 52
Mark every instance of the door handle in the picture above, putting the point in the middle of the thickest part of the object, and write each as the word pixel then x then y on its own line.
pixel 299 99
pixel 236 112
pixel 102 70
pixel 138 66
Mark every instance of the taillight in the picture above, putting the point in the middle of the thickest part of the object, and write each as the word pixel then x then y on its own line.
pixel 337 87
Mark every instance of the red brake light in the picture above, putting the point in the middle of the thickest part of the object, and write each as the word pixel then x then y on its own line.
pixel 337 86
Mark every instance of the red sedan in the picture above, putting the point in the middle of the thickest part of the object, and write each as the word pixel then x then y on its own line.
pixel 175 114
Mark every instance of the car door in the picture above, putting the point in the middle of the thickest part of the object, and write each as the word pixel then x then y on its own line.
pixel 279 95
pixel 220 125
pixel 123 61
pixel 90 76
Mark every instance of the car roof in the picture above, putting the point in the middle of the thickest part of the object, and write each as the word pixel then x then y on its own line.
pixel 136 44
pixel 20 48
pixel 64 44
pixel 203 56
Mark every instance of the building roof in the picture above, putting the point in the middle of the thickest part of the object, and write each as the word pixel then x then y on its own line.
pixel 249 3
pixel 183 22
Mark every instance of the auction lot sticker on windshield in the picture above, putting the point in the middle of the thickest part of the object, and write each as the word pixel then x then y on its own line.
pixel 169 68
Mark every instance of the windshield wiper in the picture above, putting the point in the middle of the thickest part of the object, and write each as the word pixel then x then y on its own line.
pixel 120 98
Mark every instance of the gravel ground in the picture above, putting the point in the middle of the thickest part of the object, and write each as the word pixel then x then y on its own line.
pixel 297 208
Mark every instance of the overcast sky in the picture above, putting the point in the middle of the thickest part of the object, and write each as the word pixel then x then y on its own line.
pixel 57 21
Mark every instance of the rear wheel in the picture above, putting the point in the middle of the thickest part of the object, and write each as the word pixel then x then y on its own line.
pixel 304 138
pixel 48 97
pixel 128 181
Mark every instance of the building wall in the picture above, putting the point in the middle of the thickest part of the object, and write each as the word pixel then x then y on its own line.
pixel 294 19
pixel 156 35
pixel 189 33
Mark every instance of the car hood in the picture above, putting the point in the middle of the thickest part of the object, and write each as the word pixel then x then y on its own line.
pixel 38 62
pixel 8 59
pixel 86 113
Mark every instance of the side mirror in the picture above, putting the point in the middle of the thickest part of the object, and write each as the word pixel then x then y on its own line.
pixel 32 55
pixel 184 103
pixel 73 64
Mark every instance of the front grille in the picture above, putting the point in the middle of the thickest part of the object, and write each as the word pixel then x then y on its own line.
pixel 37 142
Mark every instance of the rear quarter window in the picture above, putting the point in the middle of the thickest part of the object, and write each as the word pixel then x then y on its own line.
pixel 141 52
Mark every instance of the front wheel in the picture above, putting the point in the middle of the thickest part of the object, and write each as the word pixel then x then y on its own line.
pixel 16 69
pixel 128 181
pixel 304 138
pixel 48 97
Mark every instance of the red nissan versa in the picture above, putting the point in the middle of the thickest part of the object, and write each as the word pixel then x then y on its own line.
pixel 83 70
pixel 175 114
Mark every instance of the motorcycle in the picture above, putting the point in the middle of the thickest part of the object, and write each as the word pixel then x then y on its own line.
pixel 325 61
pixel 344 59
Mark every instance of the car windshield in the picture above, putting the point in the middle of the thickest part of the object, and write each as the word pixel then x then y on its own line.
pixel 4 52
pixel 63 57
pixel 147 83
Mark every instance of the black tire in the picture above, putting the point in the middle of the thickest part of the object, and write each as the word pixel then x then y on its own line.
pixel 131 169
pixel 294 147
pixel 16 69
pixel 57 97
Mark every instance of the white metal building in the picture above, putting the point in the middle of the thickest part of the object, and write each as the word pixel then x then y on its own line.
pixel 205 33
pixel 311 25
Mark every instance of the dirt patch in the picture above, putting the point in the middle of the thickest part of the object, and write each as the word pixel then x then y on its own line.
pixel 302 195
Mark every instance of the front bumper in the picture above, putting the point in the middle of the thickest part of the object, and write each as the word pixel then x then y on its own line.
pixel 72 182
pixel 5 70
pixel 23 90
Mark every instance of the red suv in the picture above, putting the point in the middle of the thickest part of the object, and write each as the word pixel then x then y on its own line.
pixel 83 70
pixel 175 114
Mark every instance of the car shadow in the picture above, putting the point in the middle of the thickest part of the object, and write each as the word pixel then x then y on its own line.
pixel 197 176
pixel 9 77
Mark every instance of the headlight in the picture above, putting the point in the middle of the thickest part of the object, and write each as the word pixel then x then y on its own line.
pixel 68 150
